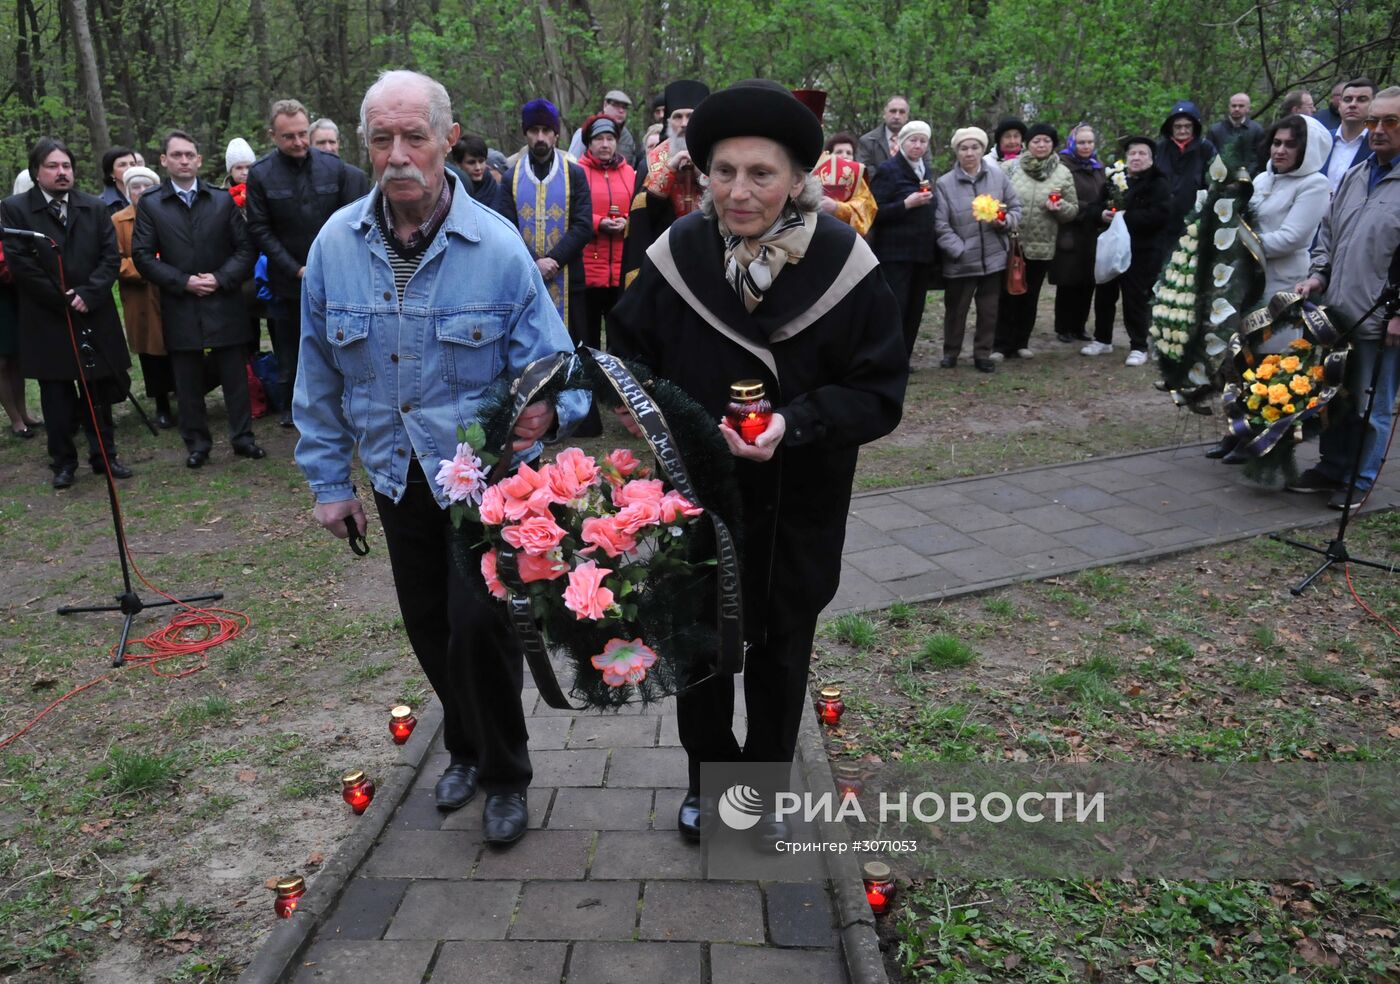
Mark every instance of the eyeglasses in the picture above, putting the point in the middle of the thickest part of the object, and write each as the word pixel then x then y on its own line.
pixel 1383 122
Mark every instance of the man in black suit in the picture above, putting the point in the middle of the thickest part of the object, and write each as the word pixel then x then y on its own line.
pixel 190 242
pixel 78 292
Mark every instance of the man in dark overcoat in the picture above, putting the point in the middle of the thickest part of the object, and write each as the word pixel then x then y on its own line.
pixel 77 292
pixel 190 242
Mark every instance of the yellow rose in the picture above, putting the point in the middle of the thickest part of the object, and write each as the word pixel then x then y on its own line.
pixel 1270 414
pixel 1290 363
pixel 1272 360
pixel 1266 371
pixel 1300 385
pixel 1288 408
pixel 1253 402
pixel 1301 344
pixel 1312 403
pixel 1259 389
pixel 1249 375
pixel 1278 394
pixel 1316 373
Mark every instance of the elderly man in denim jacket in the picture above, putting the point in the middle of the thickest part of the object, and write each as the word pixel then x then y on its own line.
pixel 415 302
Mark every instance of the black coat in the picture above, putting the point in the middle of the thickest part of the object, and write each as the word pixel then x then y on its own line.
pixel 171 242
pixel 288 202
pixel 839 383
pixel 901 235
pixel 568 251
pixel 1146 209
pixel 1185 171
pixel 1077 239
pixel 88 245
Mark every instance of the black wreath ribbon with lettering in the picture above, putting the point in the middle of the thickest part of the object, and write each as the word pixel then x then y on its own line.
pixel 724 643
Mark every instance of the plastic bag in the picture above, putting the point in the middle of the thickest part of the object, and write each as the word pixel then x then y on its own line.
pixel 1114 252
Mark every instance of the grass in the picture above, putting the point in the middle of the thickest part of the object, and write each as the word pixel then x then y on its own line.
pixel 944 652
pixel 857 631
pixel 134 773
pixel 1090 681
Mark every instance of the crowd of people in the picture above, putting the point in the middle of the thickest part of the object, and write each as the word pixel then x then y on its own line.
pixel 734 240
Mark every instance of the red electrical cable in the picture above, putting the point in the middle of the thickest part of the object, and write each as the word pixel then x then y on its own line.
pixel 192 632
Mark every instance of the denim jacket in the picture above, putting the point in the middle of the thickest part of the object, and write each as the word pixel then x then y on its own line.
pixel 397 381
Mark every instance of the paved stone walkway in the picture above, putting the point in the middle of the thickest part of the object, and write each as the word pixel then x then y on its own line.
pixel 602 889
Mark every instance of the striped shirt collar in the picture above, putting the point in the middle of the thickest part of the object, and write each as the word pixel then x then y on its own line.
pixel 428 228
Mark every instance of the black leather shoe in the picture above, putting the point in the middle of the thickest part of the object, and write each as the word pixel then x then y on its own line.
pixel 456 787
pixel 771 829
pixel 196 459
pixel 164 421
pixel 249 451
pixel 505 818
pixel 948 362
pixel 118 469
pixel 692 817
pixel 985 365
pixel 1225 446
pixel 63 478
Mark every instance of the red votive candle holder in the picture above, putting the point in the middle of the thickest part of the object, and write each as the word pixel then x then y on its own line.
pixel 401 723
pixel 879 886
pixel 830 706
pixel 289 893
pixel 748 411
pixel 849 781
pixel 1054 198
pixel 357 790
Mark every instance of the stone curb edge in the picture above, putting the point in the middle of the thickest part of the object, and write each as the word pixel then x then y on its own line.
pixel 860 945
pixel 289 939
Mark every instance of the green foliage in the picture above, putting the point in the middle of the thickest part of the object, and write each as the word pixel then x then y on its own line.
pixel 1090 681
pixel 856 631
pixel 140 773
pixel 944 652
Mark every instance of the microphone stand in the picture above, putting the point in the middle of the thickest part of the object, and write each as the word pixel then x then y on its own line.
pixel 1336 551
pixel 129 603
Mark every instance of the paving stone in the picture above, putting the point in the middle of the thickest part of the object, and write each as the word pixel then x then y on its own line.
pixel 1213 519
pixel 1102 542
pixel 799 914
pixel 364 909
pixel 1170 501
pixel 644 854
pixel 1059 560
pixel 860 535
pixel 1086 499
pixel 889 516
pixel 418 811
pixel 432 768
pixel 1051 519
pixel 934 538
pixel 336 961
pixel 929 497
pixel 452 910
pixel 573 910
pixel 610 731
pixel 971 518
pixel 702 910
pixel 500 962
pixel 670 733
pixel 665 807
pixel 548 732
pixel 1134 519
pixel 609 963
pixel 982 564
pixel 1154 464
pixel 539 854
pixel 1242 500
pixel 1115 480
pixel 858 591
pixel 647 767
pixel 1188 479
pixel 537 800
pixel 424 854
pixel 1045 480
pixel 891 563
pixel 585 808
pixel 999 494
pixel 936 583
pixel 569 767
pixel 764 965
pixel 1013 541
pixel 1176 536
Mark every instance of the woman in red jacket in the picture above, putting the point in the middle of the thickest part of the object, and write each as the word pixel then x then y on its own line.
pixel 610 179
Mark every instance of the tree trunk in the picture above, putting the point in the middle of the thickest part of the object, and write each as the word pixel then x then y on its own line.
pixel 257 25
pixel 91 79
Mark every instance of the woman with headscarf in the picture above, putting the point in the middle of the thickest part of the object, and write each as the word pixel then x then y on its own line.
pixel 141 301
pixel 1072 270
pixel 973 247
pixel 845 190
pixel 903 237
pixel 761 285
pixel 1146 208
pixel 1045 187
pixel 610 179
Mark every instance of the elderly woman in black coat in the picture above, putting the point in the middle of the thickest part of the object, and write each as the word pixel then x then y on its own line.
pixel 723 297
pixel 904 237
pixel 1072 269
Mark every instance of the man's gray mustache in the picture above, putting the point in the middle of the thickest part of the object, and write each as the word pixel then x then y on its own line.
pixel 406 173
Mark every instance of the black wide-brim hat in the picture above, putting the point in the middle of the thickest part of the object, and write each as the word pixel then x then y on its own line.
pixel 1127 142
pixel 754 108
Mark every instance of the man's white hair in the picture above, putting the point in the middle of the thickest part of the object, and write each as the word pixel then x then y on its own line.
pixel 439 102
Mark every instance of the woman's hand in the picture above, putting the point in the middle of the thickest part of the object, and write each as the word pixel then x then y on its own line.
pixel 828 205
pixel 1052 204
pixel 625 417
pixel 917 199
pixel 1108 215
pixel 1309 286
pixel 764 445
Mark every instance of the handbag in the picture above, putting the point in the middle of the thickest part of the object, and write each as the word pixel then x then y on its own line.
pixel 1016 267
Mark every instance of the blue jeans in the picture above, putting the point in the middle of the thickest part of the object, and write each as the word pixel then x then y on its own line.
pixel 1338 444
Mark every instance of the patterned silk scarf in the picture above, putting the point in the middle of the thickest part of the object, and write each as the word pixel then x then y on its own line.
pixel 751 265
pixel 543 215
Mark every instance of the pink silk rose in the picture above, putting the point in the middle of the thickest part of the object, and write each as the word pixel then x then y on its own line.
pixel 489 575
pixel 638 490
pixel 493 506
pixel 620 464
pixel 534 534
pixel 624 662
pixel 603 531
pixel 585 596
pixel 526 492
pixel 534 568
pixel 572 475
pixel 674 506
pixel 460 477
pixel 637 516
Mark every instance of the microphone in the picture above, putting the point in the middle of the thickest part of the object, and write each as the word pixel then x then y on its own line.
pixel 7 231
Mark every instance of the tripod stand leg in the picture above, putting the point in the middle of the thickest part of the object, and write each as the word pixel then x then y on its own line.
pixel 120 658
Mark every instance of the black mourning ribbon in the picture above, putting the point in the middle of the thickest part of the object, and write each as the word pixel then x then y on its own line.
pixel 729 612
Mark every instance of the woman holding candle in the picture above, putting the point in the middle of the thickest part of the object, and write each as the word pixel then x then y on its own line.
pixel 973 249
pixel 611 179
pixel 1072 270
pixel 723 299
pixel 903 237
pixel 1045 188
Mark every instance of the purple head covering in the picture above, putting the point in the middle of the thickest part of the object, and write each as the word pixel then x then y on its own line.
pixel 1092 162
